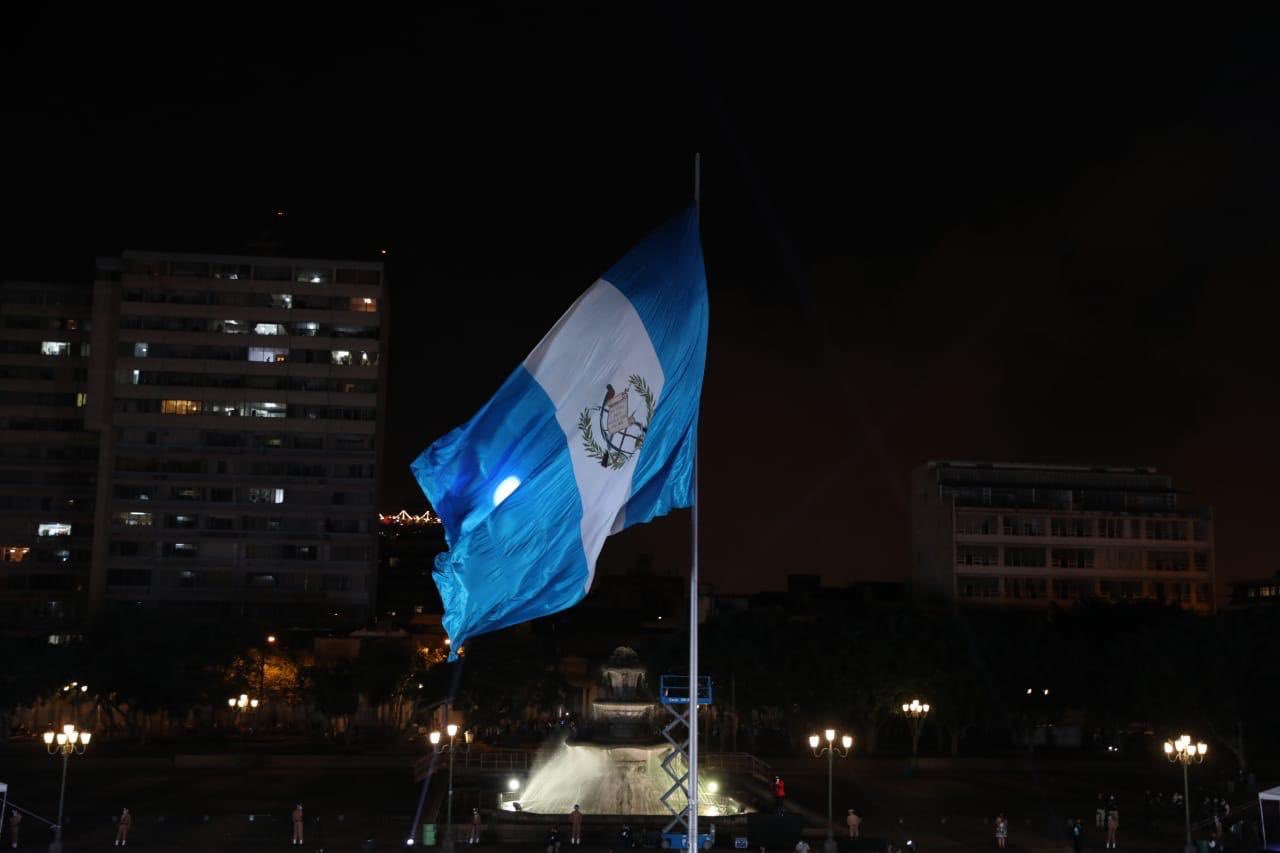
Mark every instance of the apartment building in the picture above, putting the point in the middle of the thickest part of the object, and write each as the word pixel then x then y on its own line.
pixel 1029 535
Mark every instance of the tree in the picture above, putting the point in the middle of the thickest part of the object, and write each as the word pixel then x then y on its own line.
pixel 336 693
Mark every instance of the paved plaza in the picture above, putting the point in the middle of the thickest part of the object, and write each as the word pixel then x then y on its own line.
pixel 949 805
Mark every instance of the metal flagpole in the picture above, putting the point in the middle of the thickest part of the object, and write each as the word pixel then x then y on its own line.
pixel 693 595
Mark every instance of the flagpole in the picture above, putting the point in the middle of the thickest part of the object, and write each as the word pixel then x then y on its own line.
pixel 693 593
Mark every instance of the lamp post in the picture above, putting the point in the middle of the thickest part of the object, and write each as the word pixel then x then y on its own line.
pixel 915 711
pixel 831 751
pixel 1185 753
pixel 239 705
pixel 66 743
pixel 451 730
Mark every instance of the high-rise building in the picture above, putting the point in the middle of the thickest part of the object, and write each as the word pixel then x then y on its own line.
pixel 239 401
pixel 1029 535
pixel 48 459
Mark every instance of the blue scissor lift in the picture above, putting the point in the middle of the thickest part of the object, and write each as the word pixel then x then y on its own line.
pixel 673 693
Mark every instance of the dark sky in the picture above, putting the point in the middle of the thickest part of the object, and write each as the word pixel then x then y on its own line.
pixel 1012 237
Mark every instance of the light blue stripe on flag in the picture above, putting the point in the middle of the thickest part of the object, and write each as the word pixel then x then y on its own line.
pixel 594 432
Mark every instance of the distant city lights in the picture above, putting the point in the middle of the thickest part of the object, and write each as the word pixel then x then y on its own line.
pixel 408 519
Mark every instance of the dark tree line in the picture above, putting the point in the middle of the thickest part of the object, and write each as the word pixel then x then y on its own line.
pixel 1115 667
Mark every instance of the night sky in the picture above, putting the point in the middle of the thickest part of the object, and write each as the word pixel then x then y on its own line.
pixel 994 237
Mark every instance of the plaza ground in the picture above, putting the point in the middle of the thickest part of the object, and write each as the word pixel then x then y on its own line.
pixel 950 805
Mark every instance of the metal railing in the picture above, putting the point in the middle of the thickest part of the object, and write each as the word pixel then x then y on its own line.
pixel 488 760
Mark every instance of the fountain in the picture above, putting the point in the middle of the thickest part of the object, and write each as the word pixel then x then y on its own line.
pixel 622 773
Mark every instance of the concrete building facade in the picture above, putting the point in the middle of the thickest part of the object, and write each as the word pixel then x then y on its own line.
pixel 239 400
pixel 48 456
pixel 198 433
pixel 987 534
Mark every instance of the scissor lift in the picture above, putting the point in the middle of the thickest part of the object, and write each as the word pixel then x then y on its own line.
pixel 674 693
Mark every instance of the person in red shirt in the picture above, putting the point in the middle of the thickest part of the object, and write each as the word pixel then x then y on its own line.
pixel 779 792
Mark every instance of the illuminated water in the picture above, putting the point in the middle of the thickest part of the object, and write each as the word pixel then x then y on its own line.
pixel 612 780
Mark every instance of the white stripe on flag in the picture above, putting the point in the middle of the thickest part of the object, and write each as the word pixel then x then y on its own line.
pixel 599 341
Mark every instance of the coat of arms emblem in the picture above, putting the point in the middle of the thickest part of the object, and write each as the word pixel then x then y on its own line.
pixel 617 419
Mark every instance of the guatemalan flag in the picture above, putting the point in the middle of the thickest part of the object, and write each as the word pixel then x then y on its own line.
pixel 594 432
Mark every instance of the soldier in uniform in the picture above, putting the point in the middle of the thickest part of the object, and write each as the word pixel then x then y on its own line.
pixel 122 828
pixel 575 825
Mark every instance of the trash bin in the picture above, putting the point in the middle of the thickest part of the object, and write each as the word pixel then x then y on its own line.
pixel 429 834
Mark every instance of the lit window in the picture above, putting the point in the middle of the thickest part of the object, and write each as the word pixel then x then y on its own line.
pixel 62 555
pixel 276 355
pixel 55 348
pixel 282 300
pixel 14 553
pixel 364 304
pixel 341 356
pixel 268 329
pixel 54 528
pixel 179 407
pixel 266 496
pixel 265 410
pixel 81 399
pixel 140 350
pixel 136 375
pixel 133 519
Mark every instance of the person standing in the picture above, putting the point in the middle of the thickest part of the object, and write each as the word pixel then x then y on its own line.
pixel 575 826
pixel 15 819
pixel 1076 832
pixel 553 840
pixel 1002 830
pixel 297 824
pixel 1113 824
pixel 475 827
pixel 854 823
pixel 779 793
pixel 1100 813
pixel 122 828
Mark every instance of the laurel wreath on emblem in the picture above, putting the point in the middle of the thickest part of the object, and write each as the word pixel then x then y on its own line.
pixel 614 454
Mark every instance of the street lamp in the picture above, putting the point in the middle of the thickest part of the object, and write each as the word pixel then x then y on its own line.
pixel 452 731
pixel 66 743
pixel 915 711
pixel 1185 753
pixel 238 705
pixel 831 751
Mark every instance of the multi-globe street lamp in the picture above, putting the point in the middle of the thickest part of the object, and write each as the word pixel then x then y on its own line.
pixel 239 705
pixel 452 731
pixel 831 750
pixel 1186 753
pixel 915 711
pixel 66 743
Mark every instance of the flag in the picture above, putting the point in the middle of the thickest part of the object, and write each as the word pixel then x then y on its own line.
pixel 594 432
